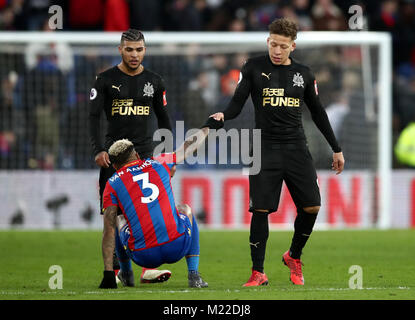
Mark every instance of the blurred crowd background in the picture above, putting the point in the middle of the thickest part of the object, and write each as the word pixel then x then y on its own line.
pixel 44 89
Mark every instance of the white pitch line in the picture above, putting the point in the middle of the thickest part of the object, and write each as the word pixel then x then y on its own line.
pixel 5 293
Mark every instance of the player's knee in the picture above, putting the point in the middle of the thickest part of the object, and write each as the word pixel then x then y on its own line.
pixel 313 210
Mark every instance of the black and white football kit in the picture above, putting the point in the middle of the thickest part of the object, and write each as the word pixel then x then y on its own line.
pixel 279 93
pixel 133 105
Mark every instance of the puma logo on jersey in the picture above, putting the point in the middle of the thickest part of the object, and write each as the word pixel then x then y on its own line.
pixel 115 87
pixel 266 75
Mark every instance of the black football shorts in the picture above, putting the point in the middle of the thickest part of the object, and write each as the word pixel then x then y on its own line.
pixel 291 163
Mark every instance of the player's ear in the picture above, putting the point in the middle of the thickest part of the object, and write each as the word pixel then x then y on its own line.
pixel 137 155
pixel 293 46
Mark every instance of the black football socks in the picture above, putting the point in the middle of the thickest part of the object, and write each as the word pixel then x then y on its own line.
pixel 303 226
pixel 259 231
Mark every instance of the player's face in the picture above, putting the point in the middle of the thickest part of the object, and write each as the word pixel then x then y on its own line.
pixel 279 49
pixel 132 53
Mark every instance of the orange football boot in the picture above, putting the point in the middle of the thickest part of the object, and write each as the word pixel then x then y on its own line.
pixel 296 274
pixel 257 279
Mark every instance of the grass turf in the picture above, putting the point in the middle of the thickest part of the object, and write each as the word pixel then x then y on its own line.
pixel 387 260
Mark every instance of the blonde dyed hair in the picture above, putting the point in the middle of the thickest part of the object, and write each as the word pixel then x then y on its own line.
pixel 120 151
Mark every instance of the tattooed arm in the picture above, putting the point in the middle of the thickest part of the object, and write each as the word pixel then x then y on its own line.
pixel 108 237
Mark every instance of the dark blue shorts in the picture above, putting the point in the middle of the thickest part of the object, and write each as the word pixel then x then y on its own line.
pixel 169 252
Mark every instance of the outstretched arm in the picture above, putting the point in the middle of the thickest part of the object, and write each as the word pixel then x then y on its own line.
pixel 239 98
pixel 191 144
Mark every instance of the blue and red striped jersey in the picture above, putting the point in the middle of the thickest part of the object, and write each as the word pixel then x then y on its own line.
pixel 143 192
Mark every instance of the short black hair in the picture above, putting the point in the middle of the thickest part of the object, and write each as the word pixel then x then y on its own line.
pixel 132 35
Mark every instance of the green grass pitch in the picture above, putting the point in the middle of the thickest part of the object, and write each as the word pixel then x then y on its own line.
pixel 386 258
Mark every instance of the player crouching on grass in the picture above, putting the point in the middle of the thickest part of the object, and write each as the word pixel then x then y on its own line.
pixel 139 204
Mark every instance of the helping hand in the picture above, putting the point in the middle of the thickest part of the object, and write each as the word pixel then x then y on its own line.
pixel 212 123
pixel 218 116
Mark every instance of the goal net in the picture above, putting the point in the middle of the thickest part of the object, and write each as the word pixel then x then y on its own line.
pixel 44 143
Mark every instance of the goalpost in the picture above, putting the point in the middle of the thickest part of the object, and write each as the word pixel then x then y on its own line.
pixel 372 50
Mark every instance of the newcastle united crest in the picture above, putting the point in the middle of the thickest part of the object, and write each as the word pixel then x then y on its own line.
pixel 298 80
pixel 148 90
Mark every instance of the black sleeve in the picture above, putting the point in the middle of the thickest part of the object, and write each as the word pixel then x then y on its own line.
pixel 318 113
pixel 160 107
pixel 242 92
pixel 96 104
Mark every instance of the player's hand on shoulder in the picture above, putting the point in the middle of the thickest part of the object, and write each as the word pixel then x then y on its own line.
pixel 338 162
pixel 102 159
pixel 108 282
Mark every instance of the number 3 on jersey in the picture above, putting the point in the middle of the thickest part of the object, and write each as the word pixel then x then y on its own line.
pixel 147 185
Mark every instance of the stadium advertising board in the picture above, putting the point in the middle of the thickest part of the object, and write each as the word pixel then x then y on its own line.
pixel 219 198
